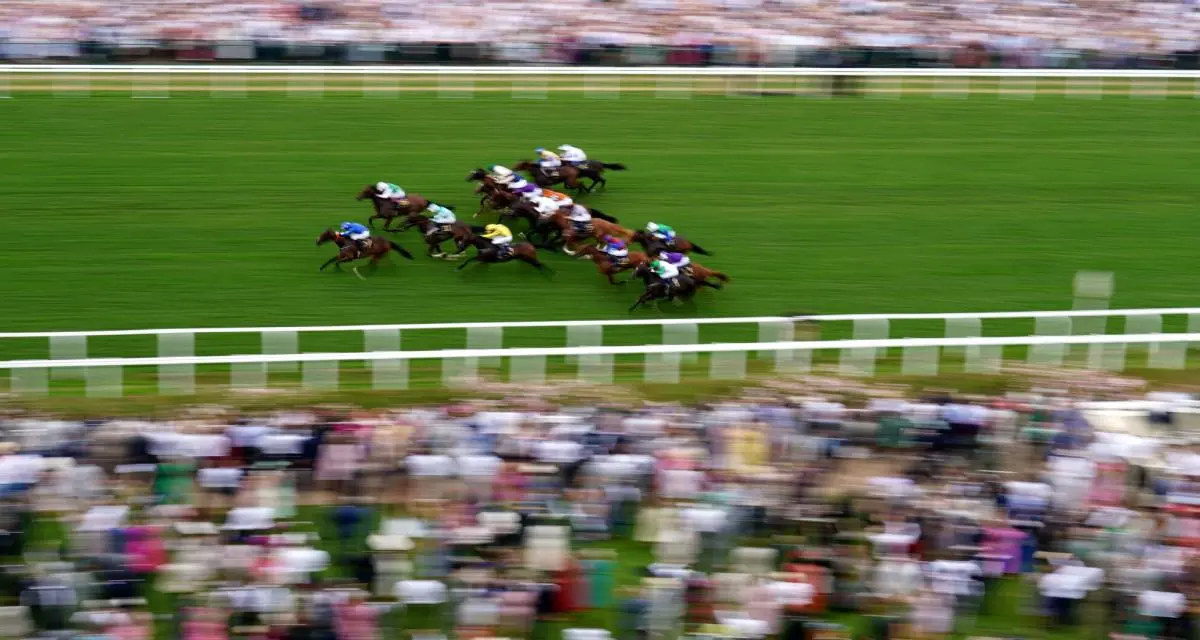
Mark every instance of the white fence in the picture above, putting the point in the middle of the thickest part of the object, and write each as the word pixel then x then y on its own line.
pixel 73 345
pixel 535 81
pixel 389 369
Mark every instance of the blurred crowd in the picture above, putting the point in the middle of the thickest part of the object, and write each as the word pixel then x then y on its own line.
pixel 784 32
pixel 907 518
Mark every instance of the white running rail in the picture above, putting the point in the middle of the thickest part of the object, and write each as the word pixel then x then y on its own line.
pixel 595 364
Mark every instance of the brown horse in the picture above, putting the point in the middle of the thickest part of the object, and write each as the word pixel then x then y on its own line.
pixel 487 252
pixel 348 251
pixel 654 246
pixel 435 234
pixel 596 231
pixel 704 276
pixel 608 267
pixel 387 209
pixel 567 175
pixel 571 175
pixel 493 196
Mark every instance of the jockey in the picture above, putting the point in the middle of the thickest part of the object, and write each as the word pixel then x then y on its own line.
pixel 443 217
pixel 615 249
pixel 573 155
pixel 679 260
pixel 661 232
pixel 500 236
pixel 389 191
pixel 356 232
pixel 667 271
pixel 548 160
pixel 580 217
pixel 513 182
pixel 564 201
pixel 545 206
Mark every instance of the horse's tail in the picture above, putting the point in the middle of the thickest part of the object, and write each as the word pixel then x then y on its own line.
pixel 700 250
pixel 720 276
pixel 400 250
pixel 596 213
pixel 613 166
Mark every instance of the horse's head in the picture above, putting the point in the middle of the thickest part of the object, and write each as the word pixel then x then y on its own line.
pixel 476 175
pixel 523 165
pixel 328 235
pixel 367 192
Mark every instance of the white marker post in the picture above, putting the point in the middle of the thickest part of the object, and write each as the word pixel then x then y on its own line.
pixel 176 379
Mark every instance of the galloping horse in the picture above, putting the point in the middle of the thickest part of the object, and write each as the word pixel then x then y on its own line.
pixel 494 196
pixel 387 209
pixel 609 267
pixel 596 231
pixel 657 289
pixel 348 251
pixel 435 235
pixel 654 246
pixel 705 277
pixel 570 175
pixel 489 253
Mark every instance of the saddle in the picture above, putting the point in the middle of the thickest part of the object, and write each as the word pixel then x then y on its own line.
pixel 550 173
pixel 582 227
pixel 504 252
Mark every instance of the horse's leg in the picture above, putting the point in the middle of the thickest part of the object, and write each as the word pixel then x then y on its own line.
pixel 371 221
pixel 642 299
pixel 328 262
pixel 466 262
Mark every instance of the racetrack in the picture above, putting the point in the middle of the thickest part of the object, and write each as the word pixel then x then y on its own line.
pixel 202 211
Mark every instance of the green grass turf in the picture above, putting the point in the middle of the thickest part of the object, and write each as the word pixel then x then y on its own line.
pixel 202 211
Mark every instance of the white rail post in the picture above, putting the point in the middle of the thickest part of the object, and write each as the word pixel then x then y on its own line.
pixel 1107 357
pixel 1193 326
pixel 602 87
pixel 963 328
pixel 455 86
pixel 377 86
pixel 861 361
pixel 320 375
pixel 596 369
pixel 527 369
pixel 584 335
pixel 673 87
pixel 486 338
pixel 104 382
pixel 1154 88
pixel 1145 325
pixel 278 343
pixel 227 85
pixel 885 87
pixel 386 374
pixel 688 333
pixel 460 372
pixel 735 87
pixel 29 382
pixel 305 85
pixel 773 331
pixel 72 85
pixel 153 86
pixel 1023 88
pixel 661 368
pixel 727 365
pixel 529 87
pixel 177 379
pixel 1050 354
pixel 952 87
pixel 248 376
pixel 920 361
pixel 5 87
pixel 67 348
pixel 1085 88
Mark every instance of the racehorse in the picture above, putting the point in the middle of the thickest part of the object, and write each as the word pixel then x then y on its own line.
pixel 494 195
pixel 570 175
pixel 348 251
pixel 596 230
pixel 608 267
pixel 657 289
pixel 654 246
pixel 387 209
pixel 435 234
pixel 489 253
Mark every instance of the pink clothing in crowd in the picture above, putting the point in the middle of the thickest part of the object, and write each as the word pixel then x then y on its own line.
pixel 356 622
pixel 1002 550
pixel 146 549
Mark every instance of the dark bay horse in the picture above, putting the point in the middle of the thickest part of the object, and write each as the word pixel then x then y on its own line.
pixel 348 251
pixel 654 246
pixel 387 209
pixel 657 289
pixel 570 175
pixel 492 195
pixel 435 234
pixel 487 252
